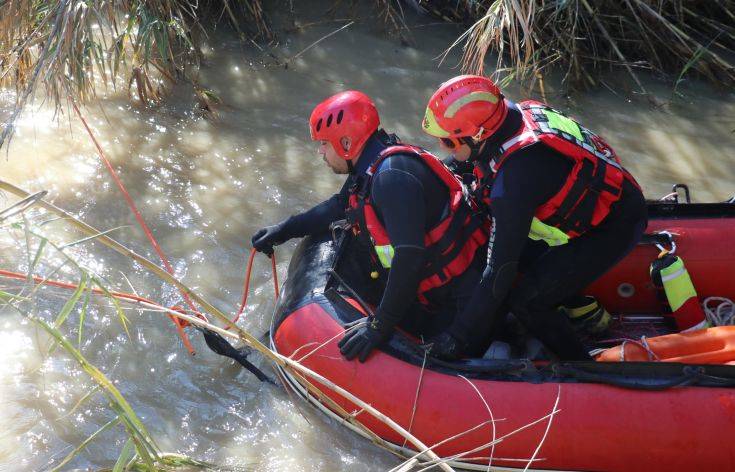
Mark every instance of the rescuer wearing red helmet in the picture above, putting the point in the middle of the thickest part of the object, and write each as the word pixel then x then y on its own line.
pixel 403 203
pixel 563 209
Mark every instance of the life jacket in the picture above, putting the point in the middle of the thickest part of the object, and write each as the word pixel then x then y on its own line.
pixel 451 244
pixel 593 185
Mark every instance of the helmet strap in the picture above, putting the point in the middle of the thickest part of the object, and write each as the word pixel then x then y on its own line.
pixel 476 148
pixel 350 166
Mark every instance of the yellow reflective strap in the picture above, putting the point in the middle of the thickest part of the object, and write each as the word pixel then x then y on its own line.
pixel 431 127
pixel 582 310
pixel 677 284
pixel 563 123
pixel 543 232
pixel 469 98
pixel 385 255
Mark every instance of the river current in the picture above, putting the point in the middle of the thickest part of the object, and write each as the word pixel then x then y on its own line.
pixel 205 186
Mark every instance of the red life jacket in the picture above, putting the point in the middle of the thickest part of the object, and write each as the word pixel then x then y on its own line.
pixel 451 244
pixel 595 181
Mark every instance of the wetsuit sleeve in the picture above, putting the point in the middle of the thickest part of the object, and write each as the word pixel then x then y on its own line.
pixel 318 218
pixel 399 198
pixel 522 184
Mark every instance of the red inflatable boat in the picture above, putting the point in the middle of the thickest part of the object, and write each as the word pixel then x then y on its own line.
pixel 616 416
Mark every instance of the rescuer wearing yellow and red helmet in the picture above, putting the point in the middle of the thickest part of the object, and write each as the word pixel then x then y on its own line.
pixel 430 246
pixel 564 210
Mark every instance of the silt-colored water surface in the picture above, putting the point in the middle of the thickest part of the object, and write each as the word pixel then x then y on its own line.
pixel 205 186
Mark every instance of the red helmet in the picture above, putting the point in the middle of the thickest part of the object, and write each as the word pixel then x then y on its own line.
pixel 347 114
pixel 468 105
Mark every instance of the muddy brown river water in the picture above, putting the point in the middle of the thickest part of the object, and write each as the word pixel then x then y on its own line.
pixel 205 186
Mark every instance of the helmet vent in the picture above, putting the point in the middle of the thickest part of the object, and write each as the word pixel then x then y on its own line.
pixel 339 116
pixel 319 124
pixel 329 120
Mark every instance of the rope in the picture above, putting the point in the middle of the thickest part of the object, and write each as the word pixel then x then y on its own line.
pixel 723 314
pixel 179 326
pixel 246 285
pixel 643 344
pixel 214 341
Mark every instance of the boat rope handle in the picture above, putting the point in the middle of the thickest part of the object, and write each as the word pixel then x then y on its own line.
pixel 723 314
pixel 664 250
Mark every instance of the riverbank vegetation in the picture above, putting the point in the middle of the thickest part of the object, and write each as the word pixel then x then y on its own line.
pixel 586 39
pixel 70 49
pixel 64 333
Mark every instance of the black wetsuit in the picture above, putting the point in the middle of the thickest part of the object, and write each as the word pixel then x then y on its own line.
pixel 409 199
pixel 549 275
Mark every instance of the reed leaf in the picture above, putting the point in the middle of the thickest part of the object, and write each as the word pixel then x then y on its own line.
pixel 585 39
pixel 91 238
pixel 85 443
pixel 82 400
pixel 115 303
pixel 136 430
pixel 72 301
pixel 37 257
pixel 83 316
pixel 126 455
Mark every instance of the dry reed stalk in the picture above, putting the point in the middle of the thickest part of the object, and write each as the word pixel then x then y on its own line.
pixel 586 39
pixel 413 460
pixel 546 431
pixel 464 454
pixel 238 333
pixel 492 419
pixel 418 390
pixel 72 47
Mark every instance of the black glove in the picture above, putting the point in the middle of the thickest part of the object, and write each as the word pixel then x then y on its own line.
pixel 445 346
pixel 264 240
pixel 360 341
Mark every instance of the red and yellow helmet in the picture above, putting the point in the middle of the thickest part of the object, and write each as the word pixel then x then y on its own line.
pixel 465 106
pixel 350 114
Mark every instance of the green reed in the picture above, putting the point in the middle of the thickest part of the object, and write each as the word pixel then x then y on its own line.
pixel 140 452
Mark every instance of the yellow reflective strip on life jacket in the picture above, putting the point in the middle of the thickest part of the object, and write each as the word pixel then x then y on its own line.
pixel 563 123
pixel 677 284
pixel 551 235
pixel 431 127
pixel 385 255
pixel 469 98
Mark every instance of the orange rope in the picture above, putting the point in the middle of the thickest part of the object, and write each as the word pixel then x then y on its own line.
pixel 275 274
pixel 131 297
pixel 56 283
pixel 246 286
pixel 144 226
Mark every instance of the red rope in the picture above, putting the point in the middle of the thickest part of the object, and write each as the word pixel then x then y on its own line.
pixel 246 285
pixel 56 283
pixel 245 288
pixel 146 230
pixel 275 274
pixel 131 297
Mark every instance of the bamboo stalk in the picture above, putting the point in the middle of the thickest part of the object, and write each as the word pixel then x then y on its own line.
pixel 239 333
